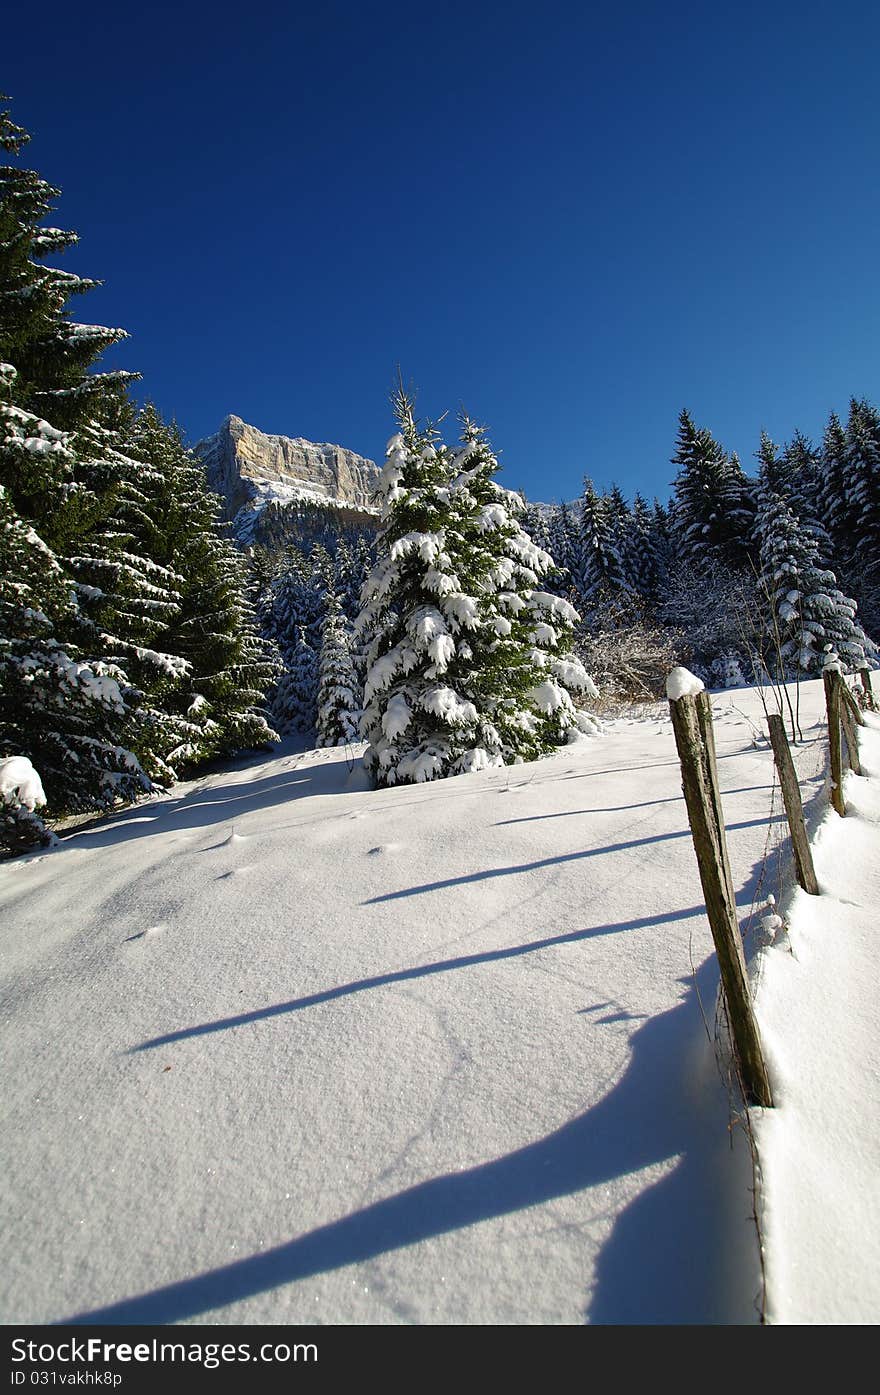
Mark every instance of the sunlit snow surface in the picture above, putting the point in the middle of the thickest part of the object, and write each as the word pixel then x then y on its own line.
pixel 280 1048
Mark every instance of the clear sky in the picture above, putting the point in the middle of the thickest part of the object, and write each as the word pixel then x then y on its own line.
pixel 575 219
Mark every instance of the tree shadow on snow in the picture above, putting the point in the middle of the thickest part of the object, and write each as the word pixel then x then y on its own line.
pixel 668 1258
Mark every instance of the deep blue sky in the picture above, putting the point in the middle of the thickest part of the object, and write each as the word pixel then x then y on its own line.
pixel 573 218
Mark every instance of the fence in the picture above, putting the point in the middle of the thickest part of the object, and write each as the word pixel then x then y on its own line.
pixel 692 724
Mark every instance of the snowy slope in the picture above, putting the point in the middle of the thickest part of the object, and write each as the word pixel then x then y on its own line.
pixel 820 1147
pixel 281 1048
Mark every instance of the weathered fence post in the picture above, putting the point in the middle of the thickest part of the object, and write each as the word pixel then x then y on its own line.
pixel 832 703
pixel 692 723
pixel 849 727
pixel 849 701
pixel 794 809
pixel 865 676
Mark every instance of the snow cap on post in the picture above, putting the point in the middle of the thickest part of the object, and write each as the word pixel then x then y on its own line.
pixel 682 683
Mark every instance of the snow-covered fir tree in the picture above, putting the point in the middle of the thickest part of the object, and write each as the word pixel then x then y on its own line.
pixel 217 706
pixel 470 664
pixel 602 585
pixel 90 665
pixel 714 508
pixel 648 554
pixel 339 698
pixel 813 621
pixel 295 700
pixel 862 556
pixel 834 502
pixel 564 548
pixel 66 706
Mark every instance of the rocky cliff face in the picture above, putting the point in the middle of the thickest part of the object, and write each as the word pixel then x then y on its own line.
pixel 250 471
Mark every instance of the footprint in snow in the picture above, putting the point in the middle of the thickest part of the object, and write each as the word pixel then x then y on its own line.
pixel 149 934
pixel 235 872
pixel 231 837
pixel 383 848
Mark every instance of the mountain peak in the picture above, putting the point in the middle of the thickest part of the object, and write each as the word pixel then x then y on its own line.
pixel 251 469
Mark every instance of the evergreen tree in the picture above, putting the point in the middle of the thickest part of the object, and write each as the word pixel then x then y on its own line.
pixel 648 553
pixel 469 661
pixel 216 705
pixel 863 478
pixel 564 549
pixel 833 494
pixel 339 706
pixel 67 706
pixel 714 509
pixel 815 623
pixel 534 521
pixel 90 666
pixel 294 704
pixel 602 584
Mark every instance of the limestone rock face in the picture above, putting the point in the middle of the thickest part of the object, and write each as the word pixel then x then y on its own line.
pixel 250 469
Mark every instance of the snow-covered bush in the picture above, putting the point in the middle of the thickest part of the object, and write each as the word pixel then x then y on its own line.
pixel 727 671
pixel 21 794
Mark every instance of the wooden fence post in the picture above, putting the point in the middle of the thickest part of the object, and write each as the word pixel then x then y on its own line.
pixel 794 809
pixel 849 702
pixel 849 728
pixel 692 724
pixel 832 704
pixel 865 676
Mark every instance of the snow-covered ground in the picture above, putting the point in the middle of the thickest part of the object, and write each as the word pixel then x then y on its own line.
pixel 280 1048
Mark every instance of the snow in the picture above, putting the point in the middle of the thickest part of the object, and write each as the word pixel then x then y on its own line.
pixel 820 1146
pixel 20 781
pixel 682 683
pixel 397 717
pixel 283 1048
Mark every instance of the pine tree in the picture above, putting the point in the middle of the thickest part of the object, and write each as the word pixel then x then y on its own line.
pixel 91 673
pixel 339 705
pixel 714 508
pixel 294 704
pixel 833 494
pixel 66 705
pixel 602 585
pixel 815 623
pixel 648 553
pixel 564 549
pixel 863 478
pixel 215 705
pixel 469 661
